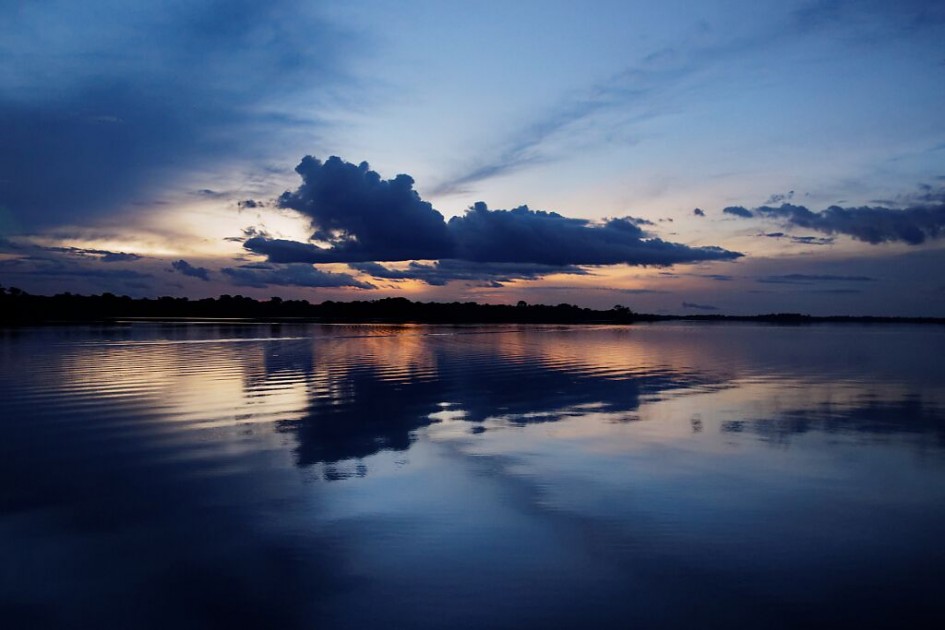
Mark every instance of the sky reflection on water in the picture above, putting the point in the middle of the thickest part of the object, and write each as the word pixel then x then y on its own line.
pixel 413 476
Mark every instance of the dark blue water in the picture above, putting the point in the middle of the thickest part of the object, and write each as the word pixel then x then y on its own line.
pixel 194 476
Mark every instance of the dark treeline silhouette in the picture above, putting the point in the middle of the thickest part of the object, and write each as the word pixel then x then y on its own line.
pixel 18 307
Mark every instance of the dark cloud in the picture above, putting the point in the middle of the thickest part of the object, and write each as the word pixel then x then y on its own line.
pixel 738 211
pixel 293 275
pixel 699 212
pixel 363 218
pixel 441 272
pixel 187 269
pixel 522 235
pixel 32 249
pixel 802 240
pixel 913 224
pixel 813 240
pixel 279 250
pixel 700 307
pixel 251 203
pixel 803 278
pixel 128 98
pixel 36 266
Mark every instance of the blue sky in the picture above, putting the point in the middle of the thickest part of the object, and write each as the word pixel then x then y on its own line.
pixel 141 134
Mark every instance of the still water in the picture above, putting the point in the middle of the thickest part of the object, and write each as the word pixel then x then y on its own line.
pixel 669 475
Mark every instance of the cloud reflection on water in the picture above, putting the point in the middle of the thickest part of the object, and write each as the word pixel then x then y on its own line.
pixel 349 392
pixel 647 474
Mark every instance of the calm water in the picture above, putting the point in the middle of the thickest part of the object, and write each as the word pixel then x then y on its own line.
pixel 212 475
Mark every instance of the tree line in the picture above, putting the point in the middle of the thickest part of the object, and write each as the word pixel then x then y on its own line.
pixel 17 307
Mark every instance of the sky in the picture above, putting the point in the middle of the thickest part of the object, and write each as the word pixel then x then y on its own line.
pixel 728 157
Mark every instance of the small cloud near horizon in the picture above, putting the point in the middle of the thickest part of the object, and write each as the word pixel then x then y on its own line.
pixel 184 267
pixel 803 278
pixel 699 307
pixel 262 275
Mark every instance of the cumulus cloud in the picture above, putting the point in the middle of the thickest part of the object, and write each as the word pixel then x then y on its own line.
pixel 358 217
pixel 922 219
pixel 441 272
pixel 293 275
pixel 187 269
pixel 363 217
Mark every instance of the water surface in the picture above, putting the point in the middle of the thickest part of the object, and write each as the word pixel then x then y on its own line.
pixel 417 476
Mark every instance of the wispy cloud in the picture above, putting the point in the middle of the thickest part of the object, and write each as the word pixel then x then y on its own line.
pixel 660 80
pixel 633 91
pixel 804 278
pixel 801 240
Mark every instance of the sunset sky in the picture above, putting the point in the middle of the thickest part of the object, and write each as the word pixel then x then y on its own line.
pixel 674 157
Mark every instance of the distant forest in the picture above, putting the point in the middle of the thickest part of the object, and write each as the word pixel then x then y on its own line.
pixel 19 308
